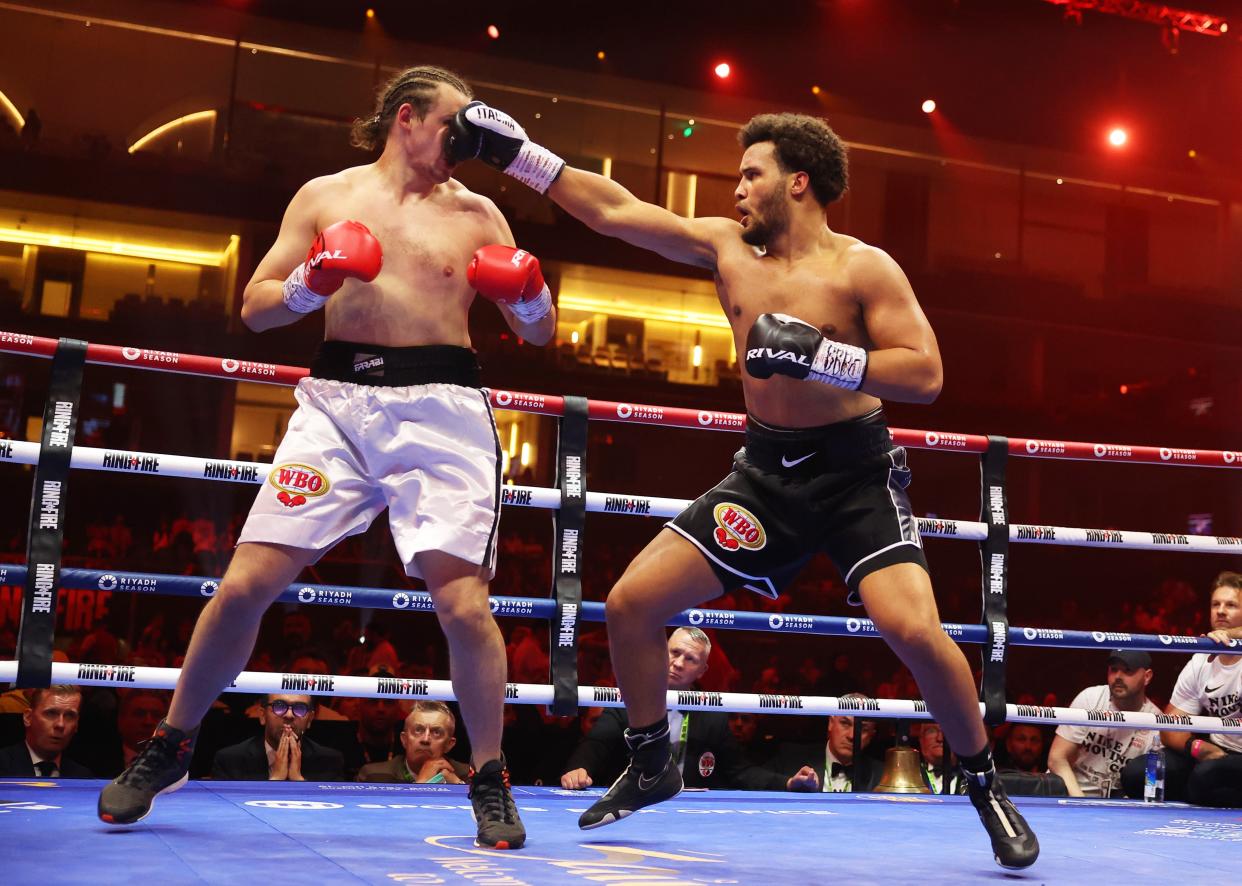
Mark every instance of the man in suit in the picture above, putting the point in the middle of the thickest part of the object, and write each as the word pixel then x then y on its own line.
pixel 427 737
pixel 933 764
pixel 138 712
pixel 51 723
pixel 283 752
pixel 833 767
pixel 702 740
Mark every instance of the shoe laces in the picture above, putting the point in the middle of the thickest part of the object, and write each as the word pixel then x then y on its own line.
pixel 493 793
pixel 153 755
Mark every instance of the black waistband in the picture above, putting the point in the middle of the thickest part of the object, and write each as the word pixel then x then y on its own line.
pixel 818 449
pixel 396 367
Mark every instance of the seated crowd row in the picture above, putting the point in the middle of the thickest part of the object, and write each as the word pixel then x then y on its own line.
pixel 386 740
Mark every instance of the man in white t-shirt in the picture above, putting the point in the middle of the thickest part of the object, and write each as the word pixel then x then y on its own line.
pixel 1206 770
pixel 1089 759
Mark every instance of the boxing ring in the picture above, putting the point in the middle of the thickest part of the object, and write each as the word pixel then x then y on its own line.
pixel 217 832
pixel 284 832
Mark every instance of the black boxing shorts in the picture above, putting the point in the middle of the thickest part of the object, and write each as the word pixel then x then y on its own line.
pixel 794 492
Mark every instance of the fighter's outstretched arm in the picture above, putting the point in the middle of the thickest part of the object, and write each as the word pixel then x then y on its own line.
pixel 598 202
pixel 606 207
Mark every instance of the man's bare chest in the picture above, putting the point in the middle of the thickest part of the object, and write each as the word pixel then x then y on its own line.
pixel 812 294
pixel 423 241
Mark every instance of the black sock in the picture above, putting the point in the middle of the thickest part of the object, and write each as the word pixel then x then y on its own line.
pixel 652 731
pixel 191 734
pixel 650 746
pixel 980 762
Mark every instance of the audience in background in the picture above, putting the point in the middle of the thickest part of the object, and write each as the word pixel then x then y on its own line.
pixel 834 767
pixel 138 712
pixel 377 726
pixel 428 736
pixel 932 761
pixel 1023 749
pixel 314 640
pixel 1089 759
pixel 283 752
pixel 1206 770
pixel 50 724
pixel 701 740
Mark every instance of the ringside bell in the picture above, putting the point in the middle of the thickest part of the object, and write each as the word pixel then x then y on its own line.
pixel 903 773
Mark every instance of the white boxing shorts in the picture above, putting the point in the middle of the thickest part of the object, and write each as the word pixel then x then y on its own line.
pixel 426 450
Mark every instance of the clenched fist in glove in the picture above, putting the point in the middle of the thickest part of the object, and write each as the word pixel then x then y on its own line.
pixel 342 250
pixel 511 277
pixel 497 139
pixel 782 345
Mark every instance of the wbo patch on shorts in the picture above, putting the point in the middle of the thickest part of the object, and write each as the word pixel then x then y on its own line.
pixel 737 527
pixel 296 483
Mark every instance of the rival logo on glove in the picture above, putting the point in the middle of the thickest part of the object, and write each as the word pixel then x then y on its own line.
pixel 756 353
pixel 319 258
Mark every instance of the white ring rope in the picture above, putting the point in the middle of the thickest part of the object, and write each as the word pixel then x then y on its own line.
pixel 261 683
pixel 194 468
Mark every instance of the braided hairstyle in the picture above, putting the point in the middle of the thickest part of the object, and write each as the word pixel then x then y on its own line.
pixel 416 86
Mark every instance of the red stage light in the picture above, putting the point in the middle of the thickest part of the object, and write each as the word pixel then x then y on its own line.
pixel 928 106
pixel 493 32
pixel 723 70
pixel 1117 137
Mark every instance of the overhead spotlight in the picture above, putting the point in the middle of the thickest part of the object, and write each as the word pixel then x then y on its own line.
pixel 723 70
pixel 493 32
pixel 1224 27
pixel 601 55
pixel 370 13
pixel 1192 153
pixel 815 90
pixel 928 106
pixel 1117 137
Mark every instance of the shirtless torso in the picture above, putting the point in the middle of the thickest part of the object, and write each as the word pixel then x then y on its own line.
pixel 421 295
pixel 816 289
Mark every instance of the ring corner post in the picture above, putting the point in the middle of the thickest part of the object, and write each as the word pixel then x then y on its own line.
pixel 45 536
pixel 567 527
pixel 994 553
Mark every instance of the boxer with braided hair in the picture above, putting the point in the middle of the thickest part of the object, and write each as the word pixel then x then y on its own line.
pixel 392 416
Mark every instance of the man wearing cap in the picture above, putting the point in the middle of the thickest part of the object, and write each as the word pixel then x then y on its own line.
pixel 1089 759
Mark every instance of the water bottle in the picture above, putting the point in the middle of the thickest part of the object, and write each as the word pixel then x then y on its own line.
pixel 1153 785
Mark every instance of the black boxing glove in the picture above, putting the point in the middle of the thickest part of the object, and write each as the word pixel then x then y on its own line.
pixel 497 139
pixel 778 344
pixel 463 141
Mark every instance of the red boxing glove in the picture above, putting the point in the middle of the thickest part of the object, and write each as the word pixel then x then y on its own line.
pixel 511 277
pixel 345 249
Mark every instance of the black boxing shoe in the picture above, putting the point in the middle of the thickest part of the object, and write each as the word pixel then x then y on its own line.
pixel 161 767
pixel 1013 842
pixel 494 811
pixel 636 789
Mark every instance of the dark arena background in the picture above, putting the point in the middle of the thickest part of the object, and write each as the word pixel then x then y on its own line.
pixel 1059 180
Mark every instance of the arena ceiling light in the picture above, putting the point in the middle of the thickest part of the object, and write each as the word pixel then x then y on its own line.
pixel 184 120
pixel 154 251
pixel 697 319
pixel 10 110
